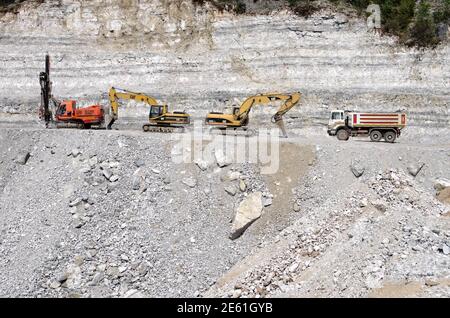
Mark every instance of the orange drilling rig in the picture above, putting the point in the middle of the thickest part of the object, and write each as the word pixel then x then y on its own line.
pixel 66 114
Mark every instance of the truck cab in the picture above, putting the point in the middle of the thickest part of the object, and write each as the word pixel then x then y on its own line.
pixel 337 119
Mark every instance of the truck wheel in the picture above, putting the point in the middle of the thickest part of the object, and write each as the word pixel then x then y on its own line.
pixel 343 135
pixel 390 136
pixel 375 135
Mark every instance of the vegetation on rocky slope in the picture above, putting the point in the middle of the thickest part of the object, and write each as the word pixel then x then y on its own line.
pixel 416 23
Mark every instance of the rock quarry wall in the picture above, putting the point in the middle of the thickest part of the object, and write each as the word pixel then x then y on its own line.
pixel 198 59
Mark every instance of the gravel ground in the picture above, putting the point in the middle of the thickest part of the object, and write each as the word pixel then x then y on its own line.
pixel 96 213
pixel 108 214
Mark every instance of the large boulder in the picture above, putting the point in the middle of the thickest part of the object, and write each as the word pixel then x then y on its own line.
pixel 357 169
pixel 249 210
pixel 22 158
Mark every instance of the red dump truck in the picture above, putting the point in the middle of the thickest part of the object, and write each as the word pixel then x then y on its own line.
pixel 377 126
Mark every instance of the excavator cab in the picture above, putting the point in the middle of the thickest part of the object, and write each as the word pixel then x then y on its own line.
pixel 157 111
pixel 66 109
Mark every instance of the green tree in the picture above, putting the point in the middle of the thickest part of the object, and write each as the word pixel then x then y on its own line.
pixel 442 13
pixel 423 30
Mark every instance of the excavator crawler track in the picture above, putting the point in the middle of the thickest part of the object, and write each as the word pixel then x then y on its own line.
pixel 68 125
pixel 233 131
pixel 163 129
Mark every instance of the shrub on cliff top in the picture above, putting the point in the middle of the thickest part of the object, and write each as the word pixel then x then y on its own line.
pixel 423 31
pixel 412 21
pixel 237 6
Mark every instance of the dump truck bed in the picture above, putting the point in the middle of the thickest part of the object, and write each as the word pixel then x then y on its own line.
pixel 357 120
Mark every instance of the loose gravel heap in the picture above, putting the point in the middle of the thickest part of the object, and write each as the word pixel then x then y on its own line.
pixel 355 247
pixel 360 230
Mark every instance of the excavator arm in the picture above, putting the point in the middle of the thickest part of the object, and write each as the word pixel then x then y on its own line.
pixel 116 93
pixel 287 106
pixel 290 101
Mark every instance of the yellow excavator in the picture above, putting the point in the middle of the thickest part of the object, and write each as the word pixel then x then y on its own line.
pixel 160 120
pixel 239 119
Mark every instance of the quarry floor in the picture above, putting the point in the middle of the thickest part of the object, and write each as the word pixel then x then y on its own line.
pixel 74 222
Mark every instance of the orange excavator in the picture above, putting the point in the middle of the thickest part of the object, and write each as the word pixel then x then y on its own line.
pixel 66 114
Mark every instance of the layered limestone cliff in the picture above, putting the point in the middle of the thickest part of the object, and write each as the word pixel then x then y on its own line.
pixel 195 58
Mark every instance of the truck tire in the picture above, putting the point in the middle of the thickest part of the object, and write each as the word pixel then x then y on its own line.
pixel 343 135
pixel 390 136
pixel 375 135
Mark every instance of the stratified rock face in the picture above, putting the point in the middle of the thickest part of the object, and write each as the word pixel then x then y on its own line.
pixel 164 21
pixel 196 59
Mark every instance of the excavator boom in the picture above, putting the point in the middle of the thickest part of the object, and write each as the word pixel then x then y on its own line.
pixel 116 93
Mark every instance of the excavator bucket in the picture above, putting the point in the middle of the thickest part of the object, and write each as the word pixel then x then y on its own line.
pixel 111 122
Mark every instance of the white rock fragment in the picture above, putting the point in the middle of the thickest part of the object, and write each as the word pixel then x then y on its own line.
pixel 223 159
pixel 202 164
pixel 242 185
pixel 231 190
pixel 414 169
pixel 190 182
pixel 363 203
